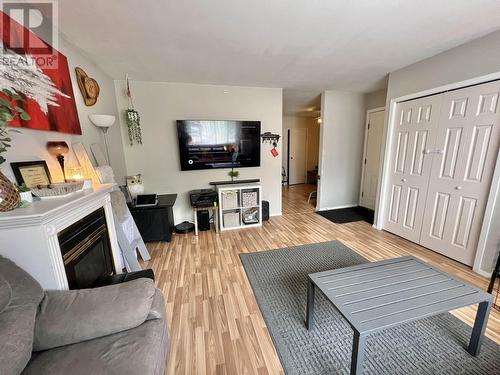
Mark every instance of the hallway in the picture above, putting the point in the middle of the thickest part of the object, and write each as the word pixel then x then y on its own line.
pixel 295 199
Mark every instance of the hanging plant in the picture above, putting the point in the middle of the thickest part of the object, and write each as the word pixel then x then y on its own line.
pixel 133 120
pixel 134 127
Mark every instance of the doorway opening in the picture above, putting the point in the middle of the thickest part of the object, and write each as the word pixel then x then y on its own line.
pixel 301 129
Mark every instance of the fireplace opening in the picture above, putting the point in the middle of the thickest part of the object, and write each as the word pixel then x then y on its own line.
pixel 86 251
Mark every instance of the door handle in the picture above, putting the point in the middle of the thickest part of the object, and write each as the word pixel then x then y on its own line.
pixel 458 188
pixel 440 152
pixel 403 180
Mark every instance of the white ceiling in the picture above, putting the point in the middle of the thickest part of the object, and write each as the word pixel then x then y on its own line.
pixel 302 46
pixel 305 103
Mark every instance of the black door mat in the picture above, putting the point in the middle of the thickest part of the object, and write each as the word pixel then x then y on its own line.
pixel 348 215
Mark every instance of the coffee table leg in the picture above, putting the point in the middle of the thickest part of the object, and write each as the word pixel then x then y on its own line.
pixel 358 353
pixel 483 312
pixel 310 304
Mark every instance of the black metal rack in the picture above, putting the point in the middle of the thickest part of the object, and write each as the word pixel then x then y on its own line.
pixel 494 287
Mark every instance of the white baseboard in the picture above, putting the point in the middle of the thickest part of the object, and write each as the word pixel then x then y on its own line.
pixel 278 214
pixel 484 273
pixel 337 207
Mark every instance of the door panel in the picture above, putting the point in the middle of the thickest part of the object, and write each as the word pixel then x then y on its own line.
pixel 468 138
pixel 463 223
pixel 372 159
pixel 414 135
pixel 394 206
pixel 298 156
pixel 411 208
pixel 479 150
pixel 450 152
pixel 418 152
pixel 439 215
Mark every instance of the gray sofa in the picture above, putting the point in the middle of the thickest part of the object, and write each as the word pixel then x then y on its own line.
pixel 117 329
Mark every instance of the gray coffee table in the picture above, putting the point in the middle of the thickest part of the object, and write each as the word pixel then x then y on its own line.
pixel 378 295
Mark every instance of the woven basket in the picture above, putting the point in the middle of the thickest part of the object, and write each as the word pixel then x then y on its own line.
pixel 9 196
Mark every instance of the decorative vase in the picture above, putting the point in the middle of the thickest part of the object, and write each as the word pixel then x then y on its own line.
pixel 26 196
pixel 9 196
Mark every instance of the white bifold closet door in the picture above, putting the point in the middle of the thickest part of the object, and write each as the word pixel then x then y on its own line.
pixel 414 133
pixel 441 205
pixel 468 141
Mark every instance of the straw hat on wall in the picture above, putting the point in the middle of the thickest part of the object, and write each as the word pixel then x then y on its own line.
pixel 88 86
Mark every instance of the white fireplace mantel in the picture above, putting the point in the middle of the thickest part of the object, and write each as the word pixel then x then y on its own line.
pixel 28 236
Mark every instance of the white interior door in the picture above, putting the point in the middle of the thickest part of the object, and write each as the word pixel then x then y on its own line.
pixel 467 144
pixel 414 133
pixel 297 162
pixel 375 131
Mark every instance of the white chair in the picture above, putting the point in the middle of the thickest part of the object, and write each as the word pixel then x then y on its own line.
pixel 312 194
pixel 129 238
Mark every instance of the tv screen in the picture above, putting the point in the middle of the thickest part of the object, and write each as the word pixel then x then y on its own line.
pixel 206 144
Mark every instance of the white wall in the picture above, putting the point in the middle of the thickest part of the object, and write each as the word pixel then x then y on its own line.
pixel 31 144
pixel 312 126
pixel 341 148
pixel 477 58
pixel 473 59
pixel 160 104
pixel 375 99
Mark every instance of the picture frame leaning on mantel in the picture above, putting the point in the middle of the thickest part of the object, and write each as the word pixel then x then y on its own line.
pixel 31 173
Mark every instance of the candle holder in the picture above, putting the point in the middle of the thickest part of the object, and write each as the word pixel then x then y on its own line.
pixel 74 174
pixel 58 149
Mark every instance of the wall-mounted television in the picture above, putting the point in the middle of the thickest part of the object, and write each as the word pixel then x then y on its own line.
pixel 209 144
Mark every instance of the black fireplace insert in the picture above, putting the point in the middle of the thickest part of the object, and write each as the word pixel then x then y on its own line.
pixel 86 251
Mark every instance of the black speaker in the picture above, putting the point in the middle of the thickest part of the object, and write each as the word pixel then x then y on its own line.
pixel 203 220
pixel 265 210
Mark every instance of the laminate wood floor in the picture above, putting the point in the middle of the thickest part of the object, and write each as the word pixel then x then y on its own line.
pixel 215 323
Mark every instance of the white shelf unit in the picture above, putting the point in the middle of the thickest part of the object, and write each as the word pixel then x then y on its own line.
pixel 240 206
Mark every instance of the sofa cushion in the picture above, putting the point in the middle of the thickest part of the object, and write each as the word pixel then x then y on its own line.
pixel 70 316
pixel 5 293
pixel 20 295
pixel 24 289
pixel 16 332
pixel 141 350
pixel 157 310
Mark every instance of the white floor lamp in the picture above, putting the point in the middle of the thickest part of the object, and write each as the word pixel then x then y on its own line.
pixel 104 122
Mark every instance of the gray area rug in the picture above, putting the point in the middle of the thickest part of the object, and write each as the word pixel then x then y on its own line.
pixel 433 345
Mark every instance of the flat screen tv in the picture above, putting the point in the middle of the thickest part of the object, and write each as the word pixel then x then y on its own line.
pixel 208 144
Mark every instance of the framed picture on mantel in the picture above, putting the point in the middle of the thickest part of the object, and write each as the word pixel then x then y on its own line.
pixel 31 173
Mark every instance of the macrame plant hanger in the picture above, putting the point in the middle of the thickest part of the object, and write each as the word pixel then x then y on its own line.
pixel 133 119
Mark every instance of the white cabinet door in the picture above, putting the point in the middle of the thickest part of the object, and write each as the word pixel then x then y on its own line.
pixel 414 133
pixel 468 139
pixel 372 159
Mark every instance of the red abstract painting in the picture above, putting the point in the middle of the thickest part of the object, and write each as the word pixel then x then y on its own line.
pixel 62 119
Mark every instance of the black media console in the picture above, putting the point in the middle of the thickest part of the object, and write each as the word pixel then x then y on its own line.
pixel 155 223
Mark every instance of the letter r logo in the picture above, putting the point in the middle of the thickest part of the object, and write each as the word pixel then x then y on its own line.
pixel 36 17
